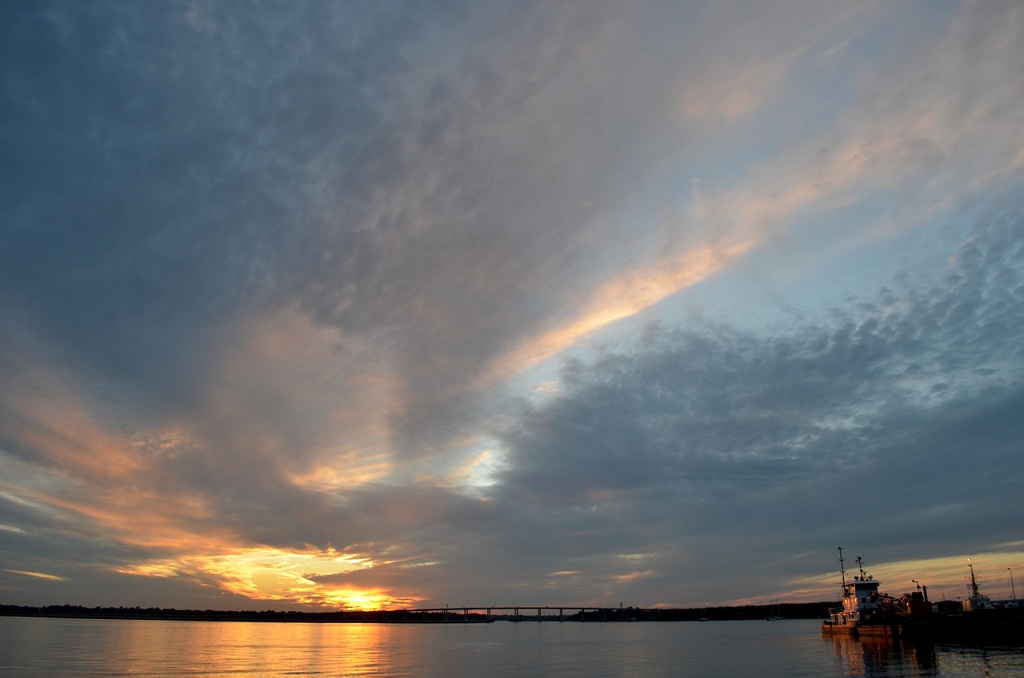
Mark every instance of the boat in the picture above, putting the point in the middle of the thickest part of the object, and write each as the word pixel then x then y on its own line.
pixel 976 601
pixel 862 613
pixel 976 618
pixel 868 613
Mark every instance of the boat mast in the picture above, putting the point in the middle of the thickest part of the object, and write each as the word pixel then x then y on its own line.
pixel 842 569
pixel 974 582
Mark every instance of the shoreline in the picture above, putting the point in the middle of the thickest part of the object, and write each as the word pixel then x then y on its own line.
pixel 451 616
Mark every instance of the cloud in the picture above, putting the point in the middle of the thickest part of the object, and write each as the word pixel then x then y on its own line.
pixel 164 172
pixel 726 431
pixel 272 286
pixel 39 575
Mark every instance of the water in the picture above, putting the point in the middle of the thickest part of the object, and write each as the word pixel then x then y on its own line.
pixel 117 647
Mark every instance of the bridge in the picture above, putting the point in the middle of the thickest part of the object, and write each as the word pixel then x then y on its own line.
pixel 521 613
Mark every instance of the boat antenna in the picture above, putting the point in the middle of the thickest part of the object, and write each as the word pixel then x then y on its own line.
pixel 842 569
pixel 860 566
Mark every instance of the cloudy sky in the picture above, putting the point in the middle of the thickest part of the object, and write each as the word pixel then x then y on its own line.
pixel 508 303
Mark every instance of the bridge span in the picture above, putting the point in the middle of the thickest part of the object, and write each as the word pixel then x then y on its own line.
pixel 523 613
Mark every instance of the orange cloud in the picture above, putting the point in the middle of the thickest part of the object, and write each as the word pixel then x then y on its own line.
pixel 620 298
pixel 72 440
pixel 633 576
pixel 277 574
pixel 38 575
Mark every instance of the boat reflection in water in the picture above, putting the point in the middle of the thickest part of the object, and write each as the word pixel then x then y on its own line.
pixel 882 656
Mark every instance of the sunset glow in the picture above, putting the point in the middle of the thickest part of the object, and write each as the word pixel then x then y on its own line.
pixel 274 574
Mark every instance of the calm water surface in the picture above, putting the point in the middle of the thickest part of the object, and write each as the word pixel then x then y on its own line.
pixel 114 647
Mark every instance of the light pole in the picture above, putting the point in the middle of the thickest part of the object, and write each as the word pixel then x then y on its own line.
pixel 1013 591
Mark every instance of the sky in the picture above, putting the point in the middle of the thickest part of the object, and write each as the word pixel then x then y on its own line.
pixel 310 305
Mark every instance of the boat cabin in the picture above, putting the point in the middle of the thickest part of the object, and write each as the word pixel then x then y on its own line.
pixel 861 599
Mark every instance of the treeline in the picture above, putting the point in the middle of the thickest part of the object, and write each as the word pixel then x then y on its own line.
pixel 746 612
pixel 194 615
pixel 817 610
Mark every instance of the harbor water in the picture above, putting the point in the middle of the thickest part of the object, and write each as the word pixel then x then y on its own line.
pixel 34 646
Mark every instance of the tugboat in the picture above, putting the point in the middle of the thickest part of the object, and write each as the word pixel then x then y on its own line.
pixel 862 613
pixel 866 612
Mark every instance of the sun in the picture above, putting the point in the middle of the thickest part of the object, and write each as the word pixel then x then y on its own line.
pixel 359 599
